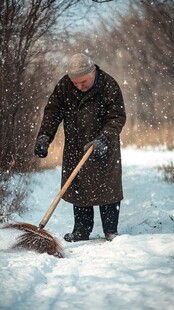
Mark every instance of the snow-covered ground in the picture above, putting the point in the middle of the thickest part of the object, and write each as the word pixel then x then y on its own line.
pixel 134 271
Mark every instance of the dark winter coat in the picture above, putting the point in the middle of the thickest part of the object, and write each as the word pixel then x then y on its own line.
pixel 87 115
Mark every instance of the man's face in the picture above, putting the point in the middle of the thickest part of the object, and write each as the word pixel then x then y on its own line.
pixel 85 82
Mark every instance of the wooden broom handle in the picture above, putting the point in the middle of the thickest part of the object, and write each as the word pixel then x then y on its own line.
pixel 56 200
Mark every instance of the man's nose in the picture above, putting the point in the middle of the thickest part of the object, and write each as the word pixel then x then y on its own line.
pixel 79 86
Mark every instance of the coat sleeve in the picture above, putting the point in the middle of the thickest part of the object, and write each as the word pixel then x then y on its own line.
pixel 116 115
pixel 53 113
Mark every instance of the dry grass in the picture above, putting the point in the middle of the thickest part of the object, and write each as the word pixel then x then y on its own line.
pixel 148 136
pixel 139 136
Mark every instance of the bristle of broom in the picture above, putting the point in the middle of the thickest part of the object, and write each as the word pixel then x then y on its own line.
pixel 36 239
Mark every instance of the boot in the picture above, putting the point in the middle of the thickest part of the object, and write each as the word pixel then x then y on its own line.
pixel 76 236
pixel 110 237
pixel 109 216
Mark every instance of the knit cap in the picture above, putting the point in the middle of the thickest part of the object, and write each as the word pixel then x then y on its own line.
pixel 80 65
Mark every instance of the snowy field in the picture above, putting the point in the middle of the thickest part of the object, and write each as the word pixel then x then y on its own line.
pixel 135 271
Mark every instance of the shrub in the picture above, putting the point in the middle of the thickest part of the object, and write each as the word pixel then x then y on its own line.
pixel 13 192
pixel 168 172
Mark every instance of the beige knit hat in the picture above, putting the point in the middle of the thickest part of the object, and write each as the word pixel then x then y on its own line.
pixel 80 65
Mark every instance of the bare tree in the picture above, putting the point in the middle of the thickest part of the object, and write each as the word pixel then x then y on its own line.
pixel 25 33
pixel 149 40
pixel 24 27
pixel 142 46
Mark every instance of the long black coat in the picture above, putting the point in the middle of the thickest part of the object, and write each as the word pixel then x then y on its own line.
pixel 85 117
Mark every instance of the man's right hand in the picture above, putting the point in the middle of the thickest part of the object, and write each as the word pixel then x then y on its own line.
pixel 100 146
pixel 41 146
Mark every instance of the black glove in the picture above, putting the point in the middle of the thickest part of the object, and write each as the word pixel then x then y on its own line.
pixel 41 146
pixel 100 146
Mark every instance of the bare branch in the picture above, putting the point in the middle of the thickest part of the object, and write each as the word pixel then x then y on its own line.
pixel 101 1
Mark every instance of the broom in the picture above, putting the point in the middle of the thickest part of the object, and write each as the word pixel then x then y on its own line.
pixel 37 238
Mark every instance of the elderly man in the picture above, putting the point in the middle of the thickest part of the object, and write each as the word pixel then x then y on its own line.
pixel 90 104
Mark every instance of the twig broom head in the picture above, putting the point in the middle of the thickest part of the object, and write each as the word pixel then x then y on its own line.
pixel 36 239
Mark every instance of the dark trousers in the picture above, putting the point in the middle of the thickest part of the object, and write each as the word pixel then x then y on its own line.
pixel 84 218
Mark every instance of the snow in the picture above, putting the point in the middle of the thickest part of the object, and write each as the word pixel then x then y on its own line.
pixel 134 271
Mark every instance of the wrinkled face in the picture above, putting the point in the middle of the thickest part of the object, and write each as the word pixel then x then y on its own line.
pixel 85 82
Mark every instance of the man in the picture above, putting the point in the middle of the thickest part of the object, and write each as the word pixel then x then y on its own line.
pixel 90 104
